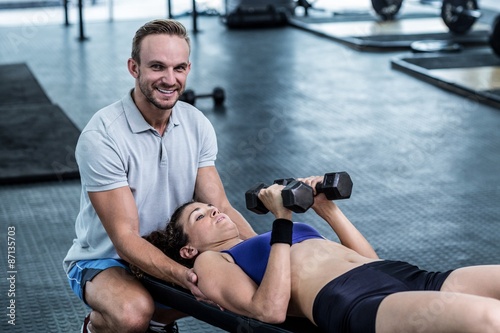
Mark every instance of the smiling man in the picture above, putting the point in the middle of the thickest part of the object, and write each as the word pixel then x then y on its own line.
pixel 139 159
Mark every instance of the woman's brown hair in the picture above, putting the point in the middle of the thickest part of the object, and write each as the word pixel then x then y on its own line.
pixel 170 241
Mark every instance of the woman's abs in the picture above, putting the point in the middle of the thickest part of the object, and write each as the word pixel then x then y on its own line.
pixel 314 263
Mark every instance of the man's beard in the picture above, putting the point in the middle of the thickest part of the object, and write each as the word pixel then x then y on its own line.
pixel 149 94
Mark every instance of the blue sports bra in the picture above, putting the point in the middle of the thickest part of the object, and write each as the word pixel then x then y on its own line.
pixel 252 254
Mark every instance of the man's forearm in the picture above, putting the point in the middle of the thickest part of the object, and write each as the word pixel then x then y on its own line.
pixel 151 260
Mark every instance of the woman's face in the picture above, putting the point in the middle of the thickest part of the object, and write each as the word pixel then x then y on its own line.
pixel 206 226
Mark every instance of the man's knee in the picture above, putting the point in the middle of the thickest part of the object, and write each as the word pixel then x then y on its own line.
pixel 136 313
pixel 120 301
pixel 130 316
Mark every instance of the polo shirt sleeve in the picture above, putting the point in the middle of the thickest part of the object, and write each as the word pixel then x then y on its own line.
pixel 99 162
pixel 209 149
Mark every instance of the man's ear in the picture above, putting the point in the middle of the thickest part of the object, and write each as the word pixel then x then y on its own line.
pixel 133 67
pixel 188 252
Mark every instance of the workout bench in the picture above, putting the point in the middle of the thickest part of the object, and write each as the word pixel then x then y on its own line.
pixel 182 300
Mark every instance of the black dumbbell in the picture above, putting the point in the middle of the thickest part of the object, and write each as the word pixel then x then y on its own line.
pixel 335 185
pixel 297 196
pixel 252 200
pixel 217 94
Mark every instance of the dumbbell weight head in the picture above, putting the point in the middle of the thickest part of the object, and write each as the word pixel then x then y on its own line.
pixel 495 36
pixel 219 96
pixel 297 196
pixel 252 199
pixel 188 96
pixel 336 186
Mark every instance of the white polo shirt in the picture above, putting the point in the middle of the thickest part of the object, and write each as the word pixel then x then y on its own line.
pixel 119 148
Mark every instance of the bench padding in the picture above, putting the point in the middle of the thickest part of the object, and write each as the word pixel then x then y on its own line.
pixel 182 300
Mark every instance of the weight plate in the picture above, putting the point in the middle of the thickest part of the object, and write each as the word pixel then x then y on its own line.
pixel 495 36
pixel 459 15
pixel 387 9
pixel 435 46
pixel 219 95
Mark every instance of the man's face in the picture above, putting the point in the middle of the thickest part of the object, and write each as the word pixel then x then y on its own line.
pixel 161 76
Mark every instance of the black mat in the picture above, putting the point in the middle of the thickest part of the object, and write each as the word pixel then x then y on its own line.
pixel 363 39
pixel 19 86
pixel 475 75
pixel 37 139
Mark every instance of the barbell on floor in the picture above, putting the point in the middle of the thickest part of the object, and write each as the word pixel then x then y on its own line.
pixel 452 46
pixel 458 15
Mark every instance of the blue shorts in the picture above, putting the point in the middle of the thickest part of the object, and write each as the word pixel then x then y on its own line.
pixel 85 270
pixel 349 303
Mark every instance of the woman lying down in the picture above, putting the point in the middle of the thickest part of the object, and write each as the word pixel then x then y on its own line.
pixel 293 270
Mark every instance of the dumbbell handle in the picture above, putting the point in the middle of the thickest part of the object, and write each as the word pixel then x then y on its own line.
pixel 296 202
pixel 204 95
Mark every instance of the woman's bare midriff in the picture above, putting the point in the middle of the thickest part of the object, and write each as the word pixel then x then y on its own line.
pixel 315 262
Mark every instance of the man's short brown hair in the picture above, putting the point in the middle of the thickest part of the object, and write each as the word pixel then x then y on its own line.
pixel 161 26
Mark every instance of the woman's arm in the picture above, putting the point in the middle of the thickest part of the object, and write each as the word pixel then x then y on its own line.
pixel 225 283
pixel 348 234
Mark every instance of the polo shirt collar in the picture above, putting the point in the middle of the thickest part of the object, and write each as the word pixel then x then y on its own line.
pixel 135 119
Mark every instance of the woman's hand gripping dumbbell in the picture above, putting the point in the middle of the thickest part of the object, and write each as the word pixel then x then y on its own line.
pixel 298 196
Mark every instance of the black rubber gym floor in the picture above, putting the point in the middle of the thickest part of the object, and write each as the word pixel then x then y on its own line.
pixel 425 162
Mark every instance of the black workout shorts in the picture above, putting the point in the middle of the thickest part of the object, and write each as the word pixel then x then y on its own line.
pixel 349 303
